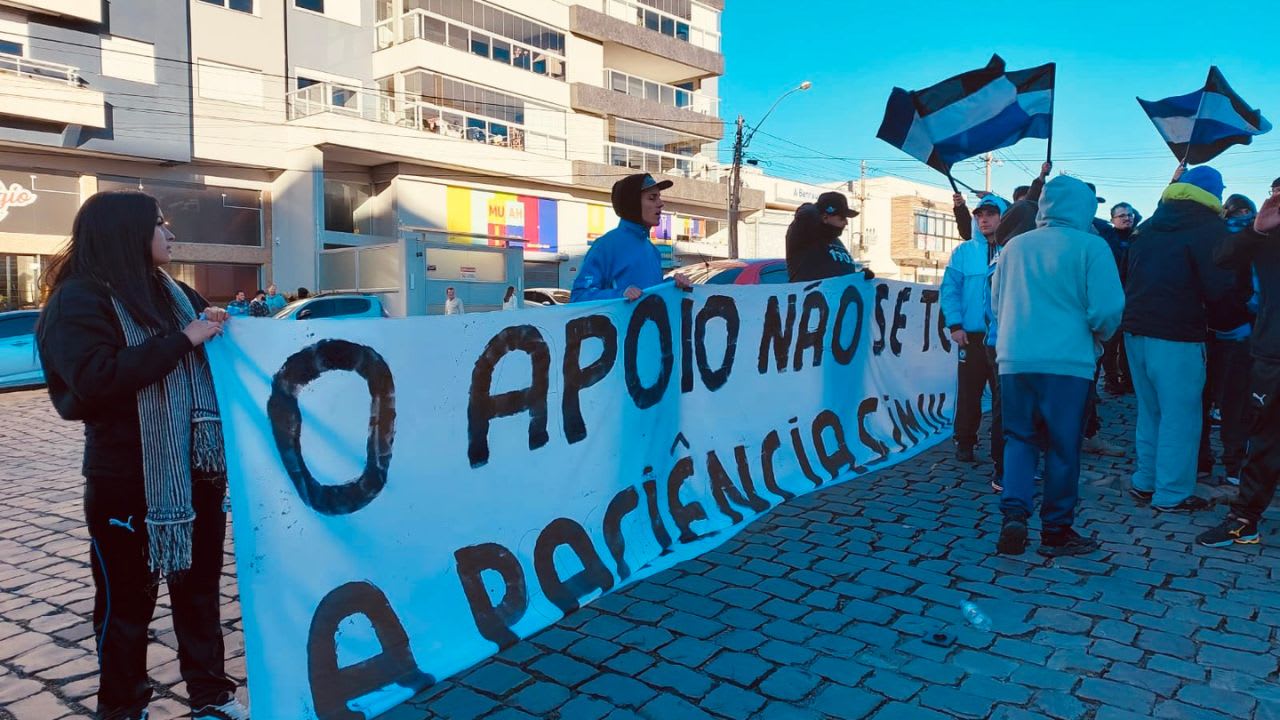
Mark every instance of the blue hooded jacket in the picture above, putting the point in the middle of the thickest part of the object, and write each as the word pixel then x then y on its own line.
pixel 966 283
pixel 619 259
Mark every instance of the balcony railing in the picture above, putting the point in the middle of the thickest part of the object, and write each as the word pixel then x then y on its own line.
pixel 663 22
pixel 408 113
pixel 640 159
pixel 26 67
pixel 661 92
pixel 420 24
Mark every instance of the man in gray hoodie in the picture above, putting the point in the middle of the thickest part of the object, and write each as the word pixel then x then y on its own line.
pixel 1057 296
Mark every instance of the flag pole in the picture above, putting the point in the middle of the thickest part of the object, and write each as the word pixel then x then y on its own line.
pixel 954 189
pixel 1053 97
pixel 1196 120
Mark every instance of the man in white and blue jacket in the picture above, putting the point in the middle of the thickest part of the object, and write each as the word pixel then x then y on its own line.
pixel 964 301
pixel 623 262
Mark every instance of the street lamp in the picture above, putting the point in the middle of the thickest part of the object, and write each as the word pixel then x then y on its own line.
pixel 740 144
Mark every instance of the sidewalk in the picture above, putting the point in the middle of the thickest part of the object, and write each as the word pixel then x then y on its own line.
pixel 817 610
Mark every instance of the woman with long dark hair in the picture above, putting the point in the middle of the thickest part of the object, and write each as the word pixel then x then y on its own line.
pixel 121 344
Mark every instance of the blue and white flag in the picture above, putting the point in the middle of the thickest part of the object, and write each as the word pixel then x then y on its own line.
pixel 1200 125
pixel 970 114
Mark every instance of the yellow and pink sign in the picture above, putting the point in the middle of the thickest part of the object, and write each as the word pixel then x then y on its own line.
pixel 503 218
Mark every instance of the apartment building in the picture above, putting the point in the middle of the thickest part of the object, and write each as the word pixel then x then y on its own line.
pixel 394 146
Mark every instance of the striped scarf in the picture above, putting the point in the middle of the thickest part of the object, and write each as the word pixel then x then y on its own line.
pixel 181 431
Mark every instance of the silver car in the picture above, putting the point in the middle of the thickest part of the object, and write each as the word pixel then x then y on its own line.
pixel 19 360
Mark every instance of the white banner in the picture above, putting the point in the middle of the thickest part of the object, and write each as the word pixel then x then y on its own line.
pixel 410 495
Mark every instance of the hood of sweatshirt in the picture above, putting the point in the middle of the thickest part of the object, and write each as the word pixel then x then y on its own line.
pixel 1067 202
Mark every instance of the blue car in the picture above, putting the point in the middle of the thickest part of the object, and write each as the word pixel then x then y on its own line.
pixel 19 360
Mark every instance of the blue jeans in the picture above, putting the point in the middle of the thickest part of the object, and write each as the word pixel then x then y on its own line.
pixel 1059 401
pixel 1168 378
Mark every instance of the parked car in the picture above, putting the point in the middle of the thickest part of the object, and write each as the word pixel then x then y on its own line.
pixel 337 305
pixel 546 296
pixel 736 272
pixel 19 360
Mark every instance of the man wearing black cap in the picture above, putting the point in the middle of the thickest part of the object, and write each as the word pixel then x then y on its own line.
pixel 814 250
pixel 623 262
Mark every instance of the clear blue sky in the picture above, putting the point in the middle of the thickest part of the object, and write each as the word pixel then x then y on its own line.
pixel 856 51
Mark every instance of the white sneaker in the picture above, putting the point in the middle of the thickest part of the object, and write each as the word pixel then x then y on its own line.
pixel 231 709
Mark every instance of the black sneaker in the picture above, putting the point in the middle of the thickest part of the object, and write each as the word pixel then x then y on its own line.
pixel 1141 496
pixel 1013 536
pixel 226 707
pixel 1232 531
pixel 965 454
pixel 1191 504
pixel 1066 542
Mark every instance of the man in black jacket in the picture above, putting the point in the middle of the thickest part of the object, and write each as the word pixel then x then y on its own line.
pixel 1171 279
pixel 1260 248
pixel 814 250
pixel 1115 361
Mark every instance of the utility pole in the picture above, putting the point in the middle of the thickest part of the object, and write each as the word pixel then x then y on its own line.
pixel 735 191
pixel 989 158
pixel 862 205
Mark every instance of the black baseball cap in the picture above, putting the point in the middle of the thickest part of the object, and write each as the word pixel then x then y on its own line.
pixel 835 203
pixel 1275 183
pixel 1093 189
pixel 626 194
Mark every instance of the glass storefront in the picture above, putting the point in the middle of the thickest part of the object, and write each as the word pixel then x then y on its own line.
pixel 202 213
pixel 218 282
pixel 20 280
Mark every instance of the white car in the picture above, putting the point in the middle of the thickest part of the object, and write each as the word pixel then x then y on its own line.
pixel 19 360
pixel 337 305
pixel 546 296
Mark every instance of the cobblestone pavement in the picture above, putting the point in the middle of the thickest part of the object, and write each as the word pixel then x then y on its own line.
pixel 819 609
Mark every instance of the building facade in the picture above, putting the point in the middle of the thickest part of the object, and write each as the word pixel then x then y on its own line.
pixel 390 146
pixel 907 229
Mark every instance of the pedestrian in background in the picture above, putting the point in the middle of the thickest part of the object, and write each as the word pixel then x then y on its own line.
pixel 275 301
pixel 122 348
pixel 239 306
pixel 1115 361
pixel 258 306
pixel 509 300
pixel 452 303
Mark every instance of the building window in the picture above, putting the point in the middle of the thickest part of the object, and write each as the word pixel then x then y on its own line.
pixel 446 106
pixel 347 207
pixel 20 280
pixel 244 6
pixel 9 47
pixel 129 60
pixel 203 214
pixel 490 32
pixel 228 83
pixel 679 8
pixel 935 231
pixel 312 5
pixel 218 282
